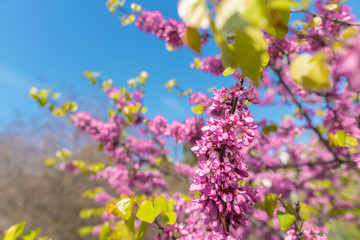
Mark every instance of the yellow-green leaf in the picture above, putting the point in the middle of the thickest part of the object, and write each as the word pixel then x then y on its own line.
pixel 106 85
pixel 286 220
pixel 143 76
pixel 135 109
pixel 192 39
pixel 235 15
pixel 270 204
pixel 146 212
pixel 250 48
pixel 124 207
pixel 170 84
pixel 311 72
pixel 14 231
pixel 342 139
pixel 228 71
pixel 194 13
pixel 135 7
pixel 199 109
pixel 104 231
pixel 170 217
pixel 59 112
pixel 304 211
pixel 49 162
pixel 142 230
pixel 31 235
pixel 278 15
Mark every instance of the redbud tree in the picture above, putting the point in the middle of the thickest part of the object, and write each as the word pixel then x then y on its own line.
pixel 253 177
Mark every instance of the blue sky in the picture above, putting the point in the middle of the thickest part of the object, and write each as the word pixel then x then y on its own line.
pixel 49 44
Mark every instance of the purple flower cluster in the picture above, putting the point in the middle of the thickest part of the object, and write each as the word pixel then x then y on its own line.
pixel 147 181
pixel 201 98
pixel 309 231
pixel 153 22
pixel 187 132
pixel 221 165
pixel 184 169
pixel 350 63
pixel 212 65
pixel 117 177
pixel 107 133
pixel 103 198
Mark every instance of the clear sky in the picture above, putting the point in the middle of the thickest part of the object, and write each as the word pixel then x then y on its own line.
pixel 49 44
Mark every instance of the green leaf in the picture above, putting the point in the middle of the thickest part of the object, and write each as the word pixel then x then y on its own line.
pixel 92 193
pixel 14 231
pixel 286 220
pixel 342 139
pixel 170 84
pixel 91 76
pixel 187 198
pixel 250 48
pixel 160 205
pixel 124 206
pixel 86 213
pixel 55 95
pixel 142 230
pixel 171 217
pixel 278 15
pixel 197 194
pixel 59 112
pixel 199 109
pixel 143 110
pixel 49 162
pixel 135 109
pixel 43 93
pixel 130 223
pixel 104 231
pixel 270 204
pixel 127 19
pixel 304 211
pixel 96 167
pixel 311 72
pixel 135 7
pixel 143 76
pixel 194 13
pixel 177 235
pixel 270 128
pixel 63 154
pixel 111 112
pixel 33 92
pixel 235 15
pixel 192 39
pixel 228 71
pixel 146 211
pixel 31 235
pixel 73 106
pixel 83 231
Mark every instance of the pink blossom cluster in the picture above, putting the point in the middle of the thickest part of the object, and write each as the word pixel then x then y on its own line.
pixel 221 165
pixel 107 133
pixel 309 231
pixel 187 132
pixel 197 98
pixel 184 169
pixel 350 64
pixel 123 180
pixel 153 22
pixel 103 198
pixel 117 177
pixel 212 65
pixel 148 180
